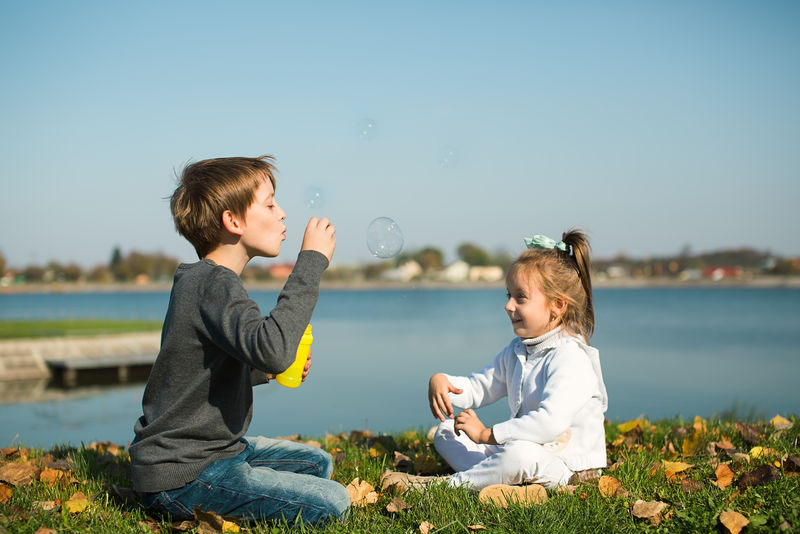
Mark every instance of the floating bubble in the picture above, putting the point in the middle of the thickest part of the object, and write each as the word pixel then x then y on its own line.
pixel 366 128
pixel 448 157
pixel 314 198
pixel 384 238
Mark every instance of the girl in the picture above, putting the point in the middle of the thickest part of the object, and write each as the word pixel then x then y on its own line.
pixel 549 373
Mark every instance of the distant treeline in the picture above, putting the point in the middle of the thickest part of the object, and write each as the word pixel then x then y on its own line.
pixel 138 266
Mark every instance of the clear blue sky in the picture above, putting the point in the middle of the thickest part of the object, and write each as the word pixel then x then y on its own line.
pixel 653 125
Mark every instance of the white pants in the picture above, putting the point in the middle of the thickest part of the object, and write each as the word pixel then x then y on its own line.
pixel 514 462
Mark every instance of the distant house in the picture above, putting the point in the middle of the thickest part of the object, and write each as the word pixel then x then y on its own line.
pixel 456 272
pixel 489 273
pixel 404 273
pixel 281 271
pixel 722 272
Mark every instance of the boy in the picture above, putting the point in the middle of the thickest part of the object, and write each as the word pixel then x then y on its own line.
pixel 190 448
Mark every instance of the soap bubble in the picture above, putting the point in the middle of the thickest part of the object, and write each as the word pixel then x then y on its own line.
pixel 448 157
pixel 366 128
pixel 384 238
pixel 314 198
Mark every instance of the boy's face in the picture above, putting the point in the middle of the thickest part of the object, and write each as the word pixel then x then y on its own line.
pixel 528 308
pixel 263 228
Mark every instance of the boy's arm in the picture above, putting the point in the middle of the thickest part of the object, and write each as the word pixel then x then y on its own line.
pixel 268 344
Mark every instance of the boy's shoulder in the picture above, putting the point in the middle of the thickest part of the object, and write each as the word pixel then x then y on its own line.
pixel 203 275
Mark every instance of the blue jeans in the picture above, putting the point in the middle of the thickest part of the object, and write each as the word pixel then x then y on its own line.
pixel 270 479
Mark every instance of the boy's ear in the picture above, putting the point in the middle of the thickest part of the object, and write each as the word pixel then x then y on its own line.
pixel 231 223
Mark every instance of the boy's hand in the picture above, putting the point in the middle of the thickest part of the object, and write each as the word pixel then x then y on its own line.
pixel 319 236
pixel 468 422
pixel 307 367
pixel 438 388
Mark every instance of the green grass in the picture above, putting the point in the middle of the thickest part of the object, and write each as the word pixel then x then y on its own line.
pixel 637 457
pixel 73 327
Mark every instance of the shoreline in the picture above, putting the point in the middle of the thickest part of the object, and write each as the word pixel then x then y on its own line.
pixel 758 282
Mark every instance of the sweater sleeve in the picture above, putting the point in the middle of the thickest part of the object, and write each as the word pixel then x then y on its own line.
pixel 266 343
pixel 483 387
pixel 569 385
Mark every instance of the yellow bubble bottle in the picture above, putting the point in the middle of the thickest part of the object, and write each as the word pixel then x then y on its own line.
pixel 293 376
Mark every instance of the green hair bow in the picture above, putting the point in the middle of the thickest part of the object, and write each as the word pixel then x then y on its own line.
pixel 542 241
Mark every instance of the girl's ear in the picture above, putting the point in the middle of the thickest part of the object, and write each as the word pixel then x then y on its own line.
pixel 558 306
pixel 231 223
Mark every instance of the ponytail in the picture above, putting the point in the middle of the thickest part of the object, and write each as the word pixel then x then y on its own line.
pixel 579 243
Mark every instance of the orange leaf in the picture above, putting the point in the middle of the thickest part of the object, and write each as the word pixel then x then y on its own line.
pixel 51 476
pixel 724 476
pixel 5 492
pixel 734 522
pixel 608 486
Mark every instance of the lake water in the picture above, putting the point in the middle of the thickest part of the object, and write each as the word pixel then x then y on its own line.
pixel 664 352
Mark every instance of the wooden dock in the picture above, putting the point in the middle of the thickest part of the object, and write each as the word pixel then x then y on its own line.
pixel 66 359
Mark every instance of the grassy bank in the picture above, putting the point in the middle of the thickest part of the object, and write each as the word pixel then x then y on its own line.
pixel 73 327
pixel 698 475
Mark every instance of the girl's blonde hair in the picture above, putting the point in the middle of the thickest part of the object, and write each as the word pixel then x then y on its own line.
pixel 563 275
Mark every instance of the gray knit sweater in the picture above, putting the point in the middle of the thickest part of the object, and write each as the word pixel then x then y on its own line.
pixel 215 346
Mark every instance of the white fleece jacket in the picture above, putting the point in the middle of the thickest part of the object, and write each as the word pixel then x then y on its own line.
pixel 555 392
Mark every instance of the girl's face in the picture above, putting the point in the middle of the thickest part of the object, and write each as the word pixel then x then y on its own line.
pixel 529 310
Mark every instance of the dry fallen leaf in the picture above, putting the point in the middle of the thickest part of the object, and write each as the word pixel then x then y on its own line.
pixel 401 462
pixel 425 527
pixel 781 423
pixel 724 476
pixel 77 503
pixel 630 425
pixel 397 505
pixel 211 522
pixel 734 522
pixel 361 493
pixel 45 530
pixel 52 476
pixel 791 465
pixel 760 475
pixel 608 486
pixel 19 473
pixel 569 489
pixel 5 492
pixel 45 506
pixel 425 464
pixel 473 528
pixel 650 510
pixel 502 494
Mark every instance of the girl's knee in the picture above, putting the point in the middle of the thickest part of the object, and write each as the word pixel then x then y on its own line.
pixel 444 432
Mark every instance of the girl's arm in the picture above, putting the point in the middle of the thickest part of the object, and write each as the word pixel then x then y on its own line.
pixel 569 385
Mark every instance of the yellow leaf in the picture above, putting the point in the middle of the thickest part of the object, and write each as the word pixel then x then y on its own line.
pixel 230 526
pixel 692 444
pixel 608 486
pixel 760 452
pixel 77 503
pixel 781 423
pixel 630 425
pixel 675 467
pixel 734 522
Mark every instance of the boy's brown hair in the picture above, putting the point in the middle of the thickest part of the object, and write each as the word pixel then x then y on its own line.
pixel 564 275
pixel 209 187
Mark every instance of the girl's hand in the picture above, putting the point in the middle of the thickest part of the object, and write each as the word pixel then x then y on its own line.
pixel 319 237
pixel 468 422
pixel 307 367
pixel 438 388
